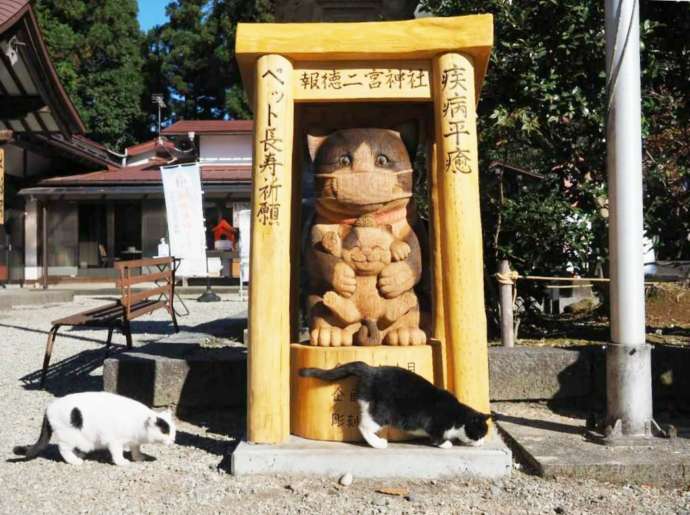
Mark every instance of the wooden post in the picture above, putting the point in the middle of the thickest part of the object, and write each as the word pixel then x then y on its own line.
pixel 505 289
pixel 2 187
pixel 438 324
pixel 110 232
pixel 461 235
pixel 44 222
pixel 268 395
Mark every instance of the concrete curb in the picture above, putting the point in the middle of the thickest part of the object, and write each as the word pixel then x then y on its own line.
pixel 21 297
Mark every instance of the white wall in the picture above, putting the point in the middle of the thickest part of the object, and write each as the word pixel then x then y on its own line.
pixel 226 149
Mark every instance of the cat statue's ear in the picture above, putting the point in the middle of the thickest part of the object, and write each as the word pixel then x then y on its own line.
pixel 409 133
pixel 314 143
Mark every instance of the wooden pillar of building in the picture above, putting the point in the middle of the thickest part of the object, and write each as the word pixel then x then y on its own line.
pixel 110 231
pixel 460 235
pixel 268 402
pixel 44 243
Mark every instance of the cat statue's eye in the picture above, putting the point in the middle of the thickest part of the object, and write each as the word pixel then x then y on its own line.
pixel 344 161
pixel 381 160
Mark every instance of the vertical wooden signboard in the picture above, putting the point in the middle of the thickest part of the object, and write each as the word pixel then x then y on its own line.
pixel 269 287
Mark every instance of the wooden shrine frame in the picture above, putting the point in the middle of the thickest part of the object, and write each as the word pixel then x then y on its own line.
pixel 438 61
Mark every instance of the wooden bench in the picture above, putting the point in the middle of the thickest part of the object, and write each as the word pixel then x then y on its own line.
pixel 132 304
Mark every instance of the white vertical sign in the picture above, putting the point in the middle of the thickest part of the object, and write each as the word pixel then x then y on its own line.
pixel 244 220
pixel 183 206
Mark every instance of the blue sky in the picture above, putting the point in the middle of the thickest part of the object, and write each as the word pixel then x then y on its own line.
pixel 152 12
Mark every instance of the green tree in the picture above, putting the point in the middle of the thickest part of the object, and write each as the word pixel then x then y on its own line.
pixel 96 48
pixel 666 101
pixel 190 59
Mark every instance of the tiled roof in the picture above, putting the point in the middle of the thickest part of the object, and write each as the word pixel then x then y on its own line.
pixel 147 146
pixel 148 173
pixel 209 127
pixel 10 11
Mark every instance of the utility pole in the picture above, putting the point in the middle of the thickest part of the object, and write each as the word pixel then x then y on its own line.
pixel 628 356
pixel 157 98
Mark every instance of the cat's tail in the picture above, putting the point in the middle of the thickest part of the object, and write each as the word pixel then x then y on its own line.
pixel 31 452
pixel 356 368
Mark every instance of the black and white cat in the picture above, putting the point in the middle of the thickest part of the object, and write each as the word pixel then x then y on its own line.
pixel 99 420
pixel 393 396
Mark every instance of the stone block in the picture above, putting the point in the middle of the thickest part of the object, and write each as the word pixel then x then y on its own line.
pixel 24 297
pixel 181 373
pixel 523 373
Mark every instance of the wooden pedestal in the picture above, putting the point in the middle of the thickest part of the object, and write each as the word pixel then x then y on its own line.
pixel 323 410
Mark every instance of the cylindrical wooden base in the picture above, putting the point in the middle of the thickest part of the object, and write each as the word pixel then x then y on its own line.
pixel 323 410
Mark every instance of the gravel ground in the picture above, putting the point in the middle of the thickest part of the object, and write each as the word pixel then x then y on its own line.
pixel 187 478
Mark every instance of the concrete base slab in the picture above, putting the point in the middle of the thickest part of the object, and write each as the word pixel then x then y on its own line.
pixel 405 460
pixel 20 297
pixel 554 445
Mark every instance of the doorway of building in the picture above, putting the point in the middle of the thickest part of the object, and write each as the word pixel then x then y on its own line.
pixel 128 230
pixel 92 235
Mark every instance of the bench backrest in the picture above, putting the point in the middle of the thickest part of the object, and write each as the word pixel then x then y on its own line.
pixel 160 271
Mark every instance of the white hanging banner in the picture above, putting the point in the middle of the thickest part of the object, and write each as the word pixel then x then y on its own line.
pixel 244 218
pixel 183 206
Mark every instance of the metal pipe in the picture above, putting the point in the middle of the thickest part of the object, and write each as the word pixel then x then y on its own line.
pixel 628 358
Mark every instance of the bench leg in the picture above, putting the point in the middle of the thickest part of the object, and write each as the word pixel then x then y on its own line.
pixel 49 350
pixel 128 332
pixel 110 339
pixel 174 319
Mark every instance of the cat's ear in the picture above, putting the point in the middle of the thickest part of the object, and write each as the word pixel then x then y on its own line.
pixel 409 133
pixel 314 143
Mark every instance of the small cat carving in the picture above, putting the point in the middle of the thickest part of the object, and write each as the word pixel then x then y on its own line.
pixel 364 259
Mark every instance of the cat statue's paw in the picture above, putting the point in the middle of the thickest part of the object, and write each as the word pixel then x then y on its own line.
pixel 400 250
pixel 330 337
pixel 445 445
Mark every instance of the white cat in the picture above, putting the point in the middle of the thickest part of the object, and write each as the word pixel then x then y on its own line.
pixel 99 420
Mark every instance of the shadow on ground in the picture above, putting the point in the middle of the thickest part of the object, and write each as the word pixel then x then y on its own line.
pixel 75 373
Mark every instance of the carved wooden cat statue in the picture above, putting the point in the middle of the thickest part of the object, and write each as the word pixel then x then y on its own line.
pixel 364 258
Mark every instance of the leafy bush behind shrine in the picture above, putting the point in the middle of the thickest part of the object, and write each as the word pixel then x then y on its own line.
pixel 543 109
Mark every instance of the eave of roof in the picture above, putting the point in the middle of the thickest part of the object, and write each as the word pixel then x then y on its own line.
pixel 143 190
pixel 11 11
pixel 183 127
pixel 17 19
pixel 148 173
